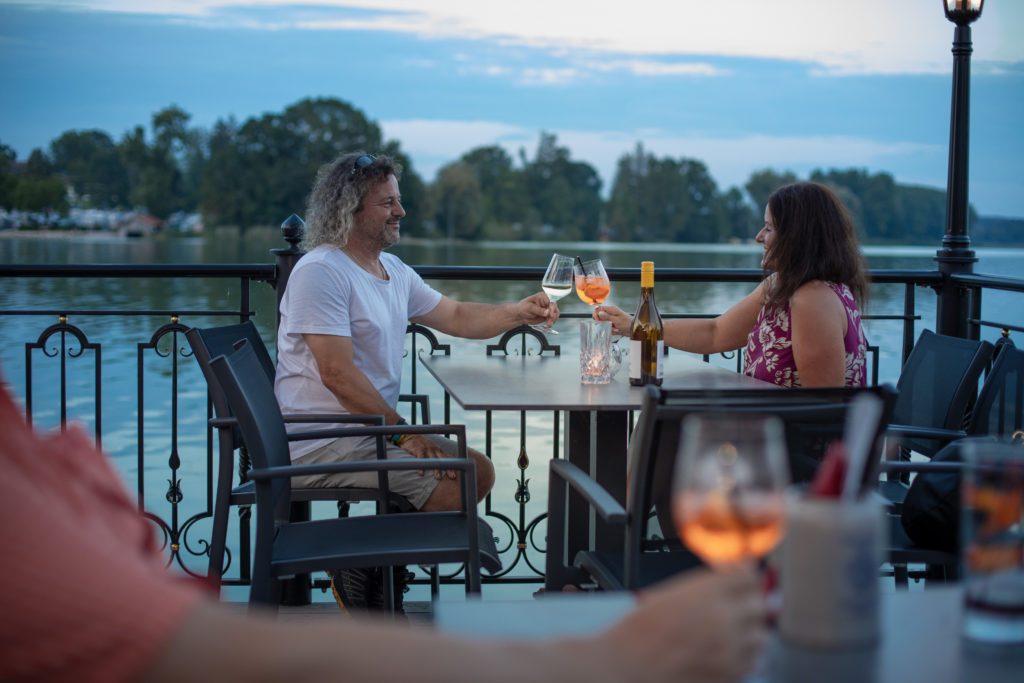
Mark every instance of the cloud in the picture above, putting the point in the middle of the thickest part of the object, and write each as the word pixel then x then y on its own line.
pixel 647 67
pixel 548 76
pixel 433 143
pixel 839 37
pixel 578 70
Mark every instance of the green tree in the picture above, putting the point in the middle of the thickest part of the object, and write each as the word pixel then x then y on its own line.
pixel 664 199
pixel 165 176
pixel 38 165
pixel 7 178
pixel 705 222
pixel 222 197
pixel 502 185
pixel 922 213
pixel 458 202
pixel 91 163
pixel 740 220
pixel 40 194
pixel 186 147
pixel 626 215
pixel 272 161
pixel 564 194
pixel 762 183
pixel 870 198
pixel 33 187
pixel 154 177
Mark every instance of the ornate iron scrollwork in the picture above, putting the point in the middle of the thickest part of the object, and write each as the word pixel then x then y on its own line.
pixel 63 332
pixel 523 332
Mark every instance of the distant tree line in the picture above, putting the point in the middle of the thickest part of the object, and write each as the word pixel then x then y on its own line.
pixel 260 171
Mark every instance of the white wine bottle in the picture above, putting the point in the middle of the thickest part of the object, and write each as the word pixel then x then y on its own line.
pixel 647 336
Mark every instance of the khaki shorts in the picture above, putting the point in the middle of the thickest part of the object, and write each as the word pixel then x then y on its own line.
pixel 416 488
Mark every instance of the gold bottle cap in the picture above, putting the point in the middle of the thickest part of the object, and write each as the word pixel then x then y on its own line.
pixel 647 274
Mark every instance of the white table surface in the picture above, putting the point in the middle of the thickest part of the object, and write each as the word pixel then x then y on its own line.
pixel 921 639
pixel 553 382
pixel 597 424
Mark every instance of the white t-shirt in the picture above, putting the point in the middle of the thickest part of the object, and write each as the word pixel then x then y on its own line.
pixel 328 293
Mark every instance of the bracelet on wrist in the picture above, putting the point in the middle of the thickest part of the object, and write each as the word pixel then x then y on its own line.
pixel 397 439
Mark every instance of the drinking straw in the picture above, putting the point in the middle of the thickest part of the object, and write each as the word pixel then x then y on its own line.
pixel 858 434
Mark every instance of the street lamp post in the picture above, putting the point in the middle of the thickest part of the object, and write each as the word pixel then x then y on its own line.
pixel 956 255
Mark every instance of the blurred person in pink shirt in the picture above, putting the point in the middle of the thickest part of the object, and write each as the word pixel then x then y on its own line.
pixel 88 598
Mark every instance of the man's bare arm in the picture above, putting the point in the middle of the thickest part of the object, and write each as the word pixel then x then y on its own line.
pixel 726 332
pixel 338 372
pixel 483 321
pixel 702 626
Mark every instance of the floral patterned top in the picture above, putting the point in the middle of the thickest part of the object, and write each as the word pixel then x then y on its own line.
pixel 769 352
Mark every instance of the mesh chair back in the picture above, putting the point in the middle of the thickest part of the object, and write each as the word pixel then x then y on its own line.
pixel 208 343
pixel 937 384
pixel 812 419
pixel 250 396
pixel 1000 407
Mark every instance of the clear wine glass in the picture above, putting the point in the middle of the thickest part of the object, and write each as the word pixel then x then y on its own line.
pixel 728 499
pixel 557 284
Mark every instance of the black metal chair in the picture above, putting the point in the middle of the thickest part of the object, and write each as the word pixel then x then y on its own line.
pixel 936 387
pixel 285 548
pixel 208 343
pixel 812 419
pixel 998 412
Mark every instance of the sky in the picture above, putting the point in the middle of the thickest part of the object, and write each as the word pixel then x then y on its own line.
pixel 742 85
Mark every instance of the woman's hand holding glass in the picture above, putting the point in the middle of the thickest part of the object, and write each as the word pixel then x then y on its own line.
pixel 621 321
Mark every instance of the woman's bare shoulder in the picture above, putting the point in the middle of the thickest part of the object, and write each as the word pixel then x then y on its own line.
pixel 815 296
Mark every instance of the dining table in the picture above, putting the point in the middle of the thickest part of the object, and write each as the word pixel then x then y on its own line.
pixel 920 641
pixel 597 422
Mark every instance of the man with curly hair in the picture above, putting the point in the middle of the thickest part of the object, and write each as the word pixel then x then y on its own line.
pixel 341 335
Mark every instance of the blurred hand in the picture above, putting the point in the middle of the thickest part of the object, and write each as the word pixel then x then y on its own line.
pixel 705 626
pixel 536 309
pixel 621 322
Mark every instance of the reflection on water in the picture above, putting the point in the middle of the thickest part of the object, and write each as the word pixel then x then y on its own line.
pixel 121 336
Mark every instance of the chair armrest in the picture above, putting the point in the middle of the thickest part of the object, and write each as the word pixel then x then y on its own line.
pixel 422 400
pixel 920 467
pixel 284 471
pixel 459 431
pixel 896 430
pixel 230 422
pixel 609 509
pixel 223 422
pixel 335 418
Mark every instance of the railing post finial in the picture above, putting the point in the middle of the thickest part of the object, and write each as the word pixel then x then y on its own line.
pixel 293 229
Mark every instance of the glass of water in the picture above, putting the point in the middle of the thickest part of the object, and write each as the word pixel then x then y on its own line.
pixel 993 541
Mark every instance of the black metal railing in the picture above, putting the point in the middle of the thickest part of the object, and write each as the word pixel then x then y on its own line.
pixel 158 348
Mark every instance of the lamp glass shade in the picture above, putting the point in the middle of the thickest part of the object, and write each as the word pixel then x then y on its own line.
pixel 962 9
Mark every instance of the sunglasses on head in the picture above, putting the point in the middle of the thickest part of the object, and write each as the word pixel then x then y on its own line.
pixel 361 163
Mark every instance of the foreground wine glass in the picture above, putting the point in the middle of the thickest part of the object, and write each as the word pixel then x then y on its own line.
pixel 730 476
pixel 557 284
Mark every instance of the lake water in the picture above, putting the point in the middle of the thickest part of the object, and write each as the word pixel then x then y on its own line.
pixel 120 337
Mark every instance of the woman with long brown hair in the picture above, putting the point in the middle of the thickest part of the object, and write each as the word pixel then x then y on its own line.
pixel 801 326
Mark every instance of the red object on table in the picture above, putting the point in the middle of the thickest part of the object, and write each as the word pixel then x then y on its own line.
pixel 828 482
